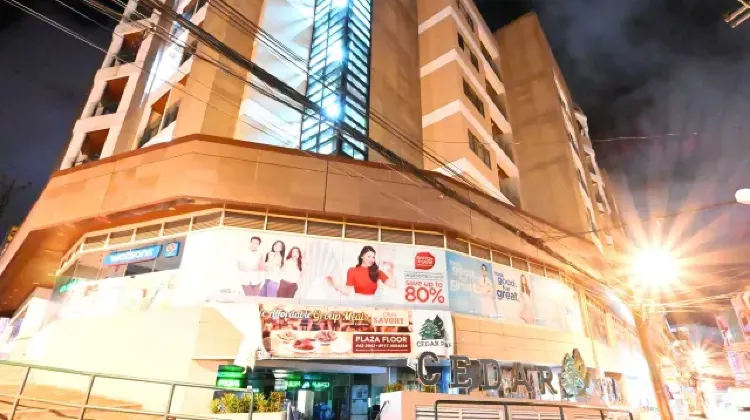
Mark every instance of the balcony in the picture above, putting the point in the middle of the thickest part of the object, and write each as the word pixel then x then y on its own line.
pixel 91 148
pixel 125 56
pixel 141 12
pixel 493 65
pixel 191 9
pixel 504 145
pixel 171 115
pixel 189 51
pixel 497 99
pixel 509 188
pixel 150 132
pixel 503 141
pixel 105 107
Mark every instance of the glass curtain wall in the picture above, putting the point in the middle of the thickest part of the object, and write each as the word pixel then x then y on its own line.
pixel 339 77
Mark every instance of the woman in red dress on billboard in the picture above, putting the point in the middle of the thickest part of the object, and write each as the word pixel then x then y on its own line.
pixel 363 278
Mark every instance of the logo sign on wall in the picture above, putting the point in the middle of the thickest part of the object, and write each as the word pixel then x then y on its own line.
pixel 134 255
pixel 303 332
pixel 489 375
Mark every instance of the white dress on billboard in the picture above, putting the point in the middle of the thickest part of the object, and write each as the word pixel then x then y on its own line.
pixel 527 308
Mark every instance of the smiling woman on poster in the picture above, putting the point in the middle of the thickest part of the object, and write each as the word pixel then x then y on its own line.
pixel 291 274
pixel 527 305
pixel 363 278
pixel 272 265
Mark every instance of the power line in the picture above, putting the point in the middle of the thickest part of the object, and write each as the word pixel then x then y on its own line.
pixel 711 206
pixel 378 148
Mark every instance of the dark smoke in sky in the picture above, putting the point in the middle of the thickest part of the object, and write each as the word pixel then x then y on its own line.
pixel 671 71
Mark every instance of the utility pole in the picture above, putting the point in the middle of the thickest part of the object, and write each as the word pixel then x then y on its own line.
pixel 740 15
pixel 643 325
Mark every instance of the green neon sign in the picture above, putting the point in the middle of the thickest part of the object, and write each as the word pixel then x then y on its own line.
pixel 230 376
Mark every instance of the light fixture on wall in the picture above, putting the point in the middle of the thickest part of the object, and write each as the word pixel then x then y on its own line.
pixel 336 52
pixel 333 109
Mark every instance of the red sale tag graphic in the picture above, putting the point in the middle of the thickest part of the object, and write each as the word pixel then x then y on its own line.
pixel 424 261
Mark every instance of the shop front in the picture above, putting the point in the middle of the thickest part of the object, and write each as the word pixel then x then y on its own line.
pixel 329 321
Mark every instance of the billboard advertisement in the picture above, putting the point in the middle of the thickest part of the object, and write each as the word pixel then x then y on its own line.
pixel 481 288
pixel 556 305
pixel 729 325
pixel 252 266
pixel 104 283
pixel 316 332
pixel 471 290
pixel 598 324
pixel 224 266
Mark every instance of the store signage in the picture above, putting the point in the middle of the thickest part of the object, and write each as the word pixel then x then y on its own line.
pixel 485 374
pixel 133 255
pixel 230 376
pixel 378 343
pixel 300 384
pixel 172 250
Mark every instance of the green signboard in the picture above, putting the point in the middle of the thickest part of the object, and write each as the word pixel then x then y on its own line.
pixel 231 376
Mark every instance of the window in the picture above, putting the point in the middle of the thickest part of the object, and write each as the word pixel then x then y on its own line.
pixel 473 98
pixel 572 142
pixel 478 148
pixel 340 60
pixel 461 42
pixel 474 60
pixel 466 15
pixel 580 179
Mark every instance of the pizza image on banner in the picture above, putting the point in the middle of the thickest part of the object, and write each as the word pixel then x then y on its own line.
pixel 433 331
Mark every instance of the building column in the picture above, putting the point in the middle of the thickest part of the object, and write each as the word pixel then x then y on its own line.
pixel 212 100
pixel 643 324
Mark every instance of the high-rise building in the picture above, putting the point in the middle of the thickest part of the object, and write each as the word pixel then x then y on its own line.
pixel 200 218
pixel 555 156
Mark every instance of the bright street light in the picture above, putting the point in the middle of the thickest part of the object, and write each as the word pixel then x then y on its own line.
pixel 699 356
pixel 654 267
pixel 742 196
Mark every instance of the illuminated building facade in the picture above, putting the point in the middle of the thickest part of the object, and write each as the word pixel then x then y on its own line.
pixel 197 222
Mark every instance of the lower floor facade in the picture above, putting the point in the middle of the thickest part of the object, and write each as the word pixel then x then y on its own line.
pixel 324 287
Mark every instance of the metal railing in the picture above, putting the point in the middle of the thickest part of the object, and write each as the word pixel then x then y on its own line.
pixel 165 414
pixel 506 405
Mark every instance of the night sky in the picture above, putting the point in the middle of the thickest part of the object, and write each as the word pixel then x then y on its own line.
pixel 668 70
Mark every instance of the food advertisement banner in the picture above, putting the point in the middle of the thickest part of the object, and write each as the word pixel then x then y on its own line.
pixel 253 266
pixel 312 332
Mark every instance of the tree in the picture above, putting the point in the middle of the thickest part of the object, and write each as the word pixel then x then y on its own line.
pixel 429 331
pixel 440 326
pixel 570 379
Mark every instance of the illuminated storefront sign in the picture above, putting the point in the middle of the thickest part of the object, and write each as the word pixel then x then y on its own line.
pixel 231 376
pixel 486 374
pixel 305 384
pixel 133 255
